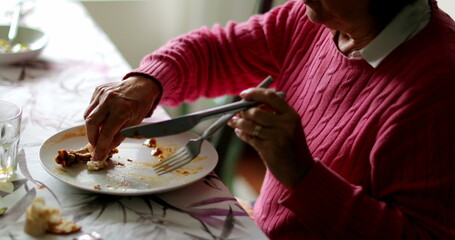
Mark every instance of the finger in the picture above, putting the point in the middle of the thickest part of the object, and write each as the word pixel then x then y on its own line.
pixel 94 101
pixel 109 133
pixel 93 122
pixel 92 105
pixel 245 125
pixel 251 128
pixel 95 115
pixel 266 96
pixel 118 139
pixel 261 116
pixel 249 139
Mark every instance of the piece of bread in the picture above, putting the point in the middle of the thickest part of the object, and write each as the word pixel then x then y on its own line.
pixel 99 165
pixel 41 219
pixel 96 165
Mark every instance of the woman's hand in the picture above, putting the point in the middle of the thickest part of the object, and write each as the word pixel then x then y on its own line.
pixel 115 106
pixel 275 132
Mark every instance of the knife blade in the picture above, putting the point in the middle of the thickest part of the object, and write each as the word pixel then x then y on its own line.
pixel 183 123
pixel 187 122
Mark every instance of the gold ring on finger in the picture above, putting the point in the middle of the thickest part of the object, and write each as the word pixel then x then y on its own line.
pixel 256 130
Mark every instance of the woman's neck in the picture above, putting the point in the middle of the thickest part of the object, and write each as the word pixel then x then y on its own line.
pixel 347 43
pixel 354 39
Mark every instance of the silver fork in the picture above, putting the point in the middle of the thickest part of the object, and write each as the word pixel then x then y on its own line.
pixel 191 150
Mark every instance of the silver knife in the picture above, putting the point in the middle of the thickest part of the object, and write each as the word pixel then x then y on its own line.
pixel 187 122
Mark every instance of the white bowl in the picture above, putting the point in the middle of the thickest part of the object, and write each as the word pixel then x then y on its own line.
pixel 34 39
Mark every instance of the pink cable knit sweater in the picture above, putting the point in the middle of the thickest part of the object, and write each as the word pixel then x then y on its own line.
pixel 385 137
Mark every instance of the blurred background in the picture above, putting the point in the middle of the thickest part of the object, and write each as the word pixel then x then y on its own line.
pixel 140 27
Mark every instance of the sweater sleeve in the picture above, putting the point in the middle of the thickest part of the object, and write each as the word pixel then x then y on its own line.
pixel 220 61
pixel 412 185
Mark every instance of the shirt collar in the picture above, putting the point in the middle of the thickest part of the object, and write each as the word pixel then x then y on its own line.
pixel 408 22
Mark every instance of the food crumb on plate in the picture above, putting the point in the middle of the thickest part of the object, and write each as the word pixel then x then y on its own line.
pixel 157 152
pixel 151 143
pixel 97 187
pixel 184 172
pixel 60 170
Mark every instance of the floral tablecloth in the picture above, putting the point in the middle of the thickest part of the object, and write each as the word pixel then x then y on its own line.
pixel 54 91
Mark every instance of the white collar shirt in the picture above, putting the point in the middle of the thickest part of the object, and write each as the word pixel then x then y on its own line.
pixel 406 24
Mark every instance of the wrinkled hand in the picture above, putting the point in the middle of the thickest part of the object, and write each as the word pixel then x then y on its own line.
pixel 115 106
pixel 274 130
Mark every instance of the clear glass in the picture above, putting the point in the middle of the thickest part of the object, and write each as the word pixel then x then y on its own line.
pixel 10 128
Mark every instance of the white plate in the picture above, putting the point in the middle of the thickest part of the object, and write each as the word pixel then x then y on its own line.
pixel 130 172
pixel 35 39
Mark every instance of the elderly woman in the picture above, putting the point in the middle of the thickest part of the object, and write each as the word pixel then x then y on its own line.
pixel 362 147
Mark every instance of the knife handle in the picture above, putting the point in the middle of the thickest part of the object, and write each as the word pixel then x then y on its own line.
pixel 227 108
pixel 225 118
pixel 240 104
pixel 264 84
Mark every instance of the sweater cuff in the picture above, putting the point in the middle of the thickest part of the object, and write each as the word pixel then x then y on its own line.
pixel 163 73
pixel 157 99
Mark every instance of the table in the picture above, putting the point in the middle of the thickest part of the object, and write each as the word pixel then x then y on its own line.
pixel 54 92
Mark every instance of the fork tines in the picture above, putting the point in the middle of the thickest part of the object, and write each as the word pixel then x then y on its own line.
pixel 172 163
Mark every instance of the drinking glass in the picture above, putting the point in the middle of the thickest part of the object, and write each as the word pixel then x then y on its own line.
pixel 10 127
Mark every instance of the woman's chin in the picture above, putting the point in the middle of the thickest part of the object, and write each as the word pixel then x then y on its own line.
pixel 313 15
